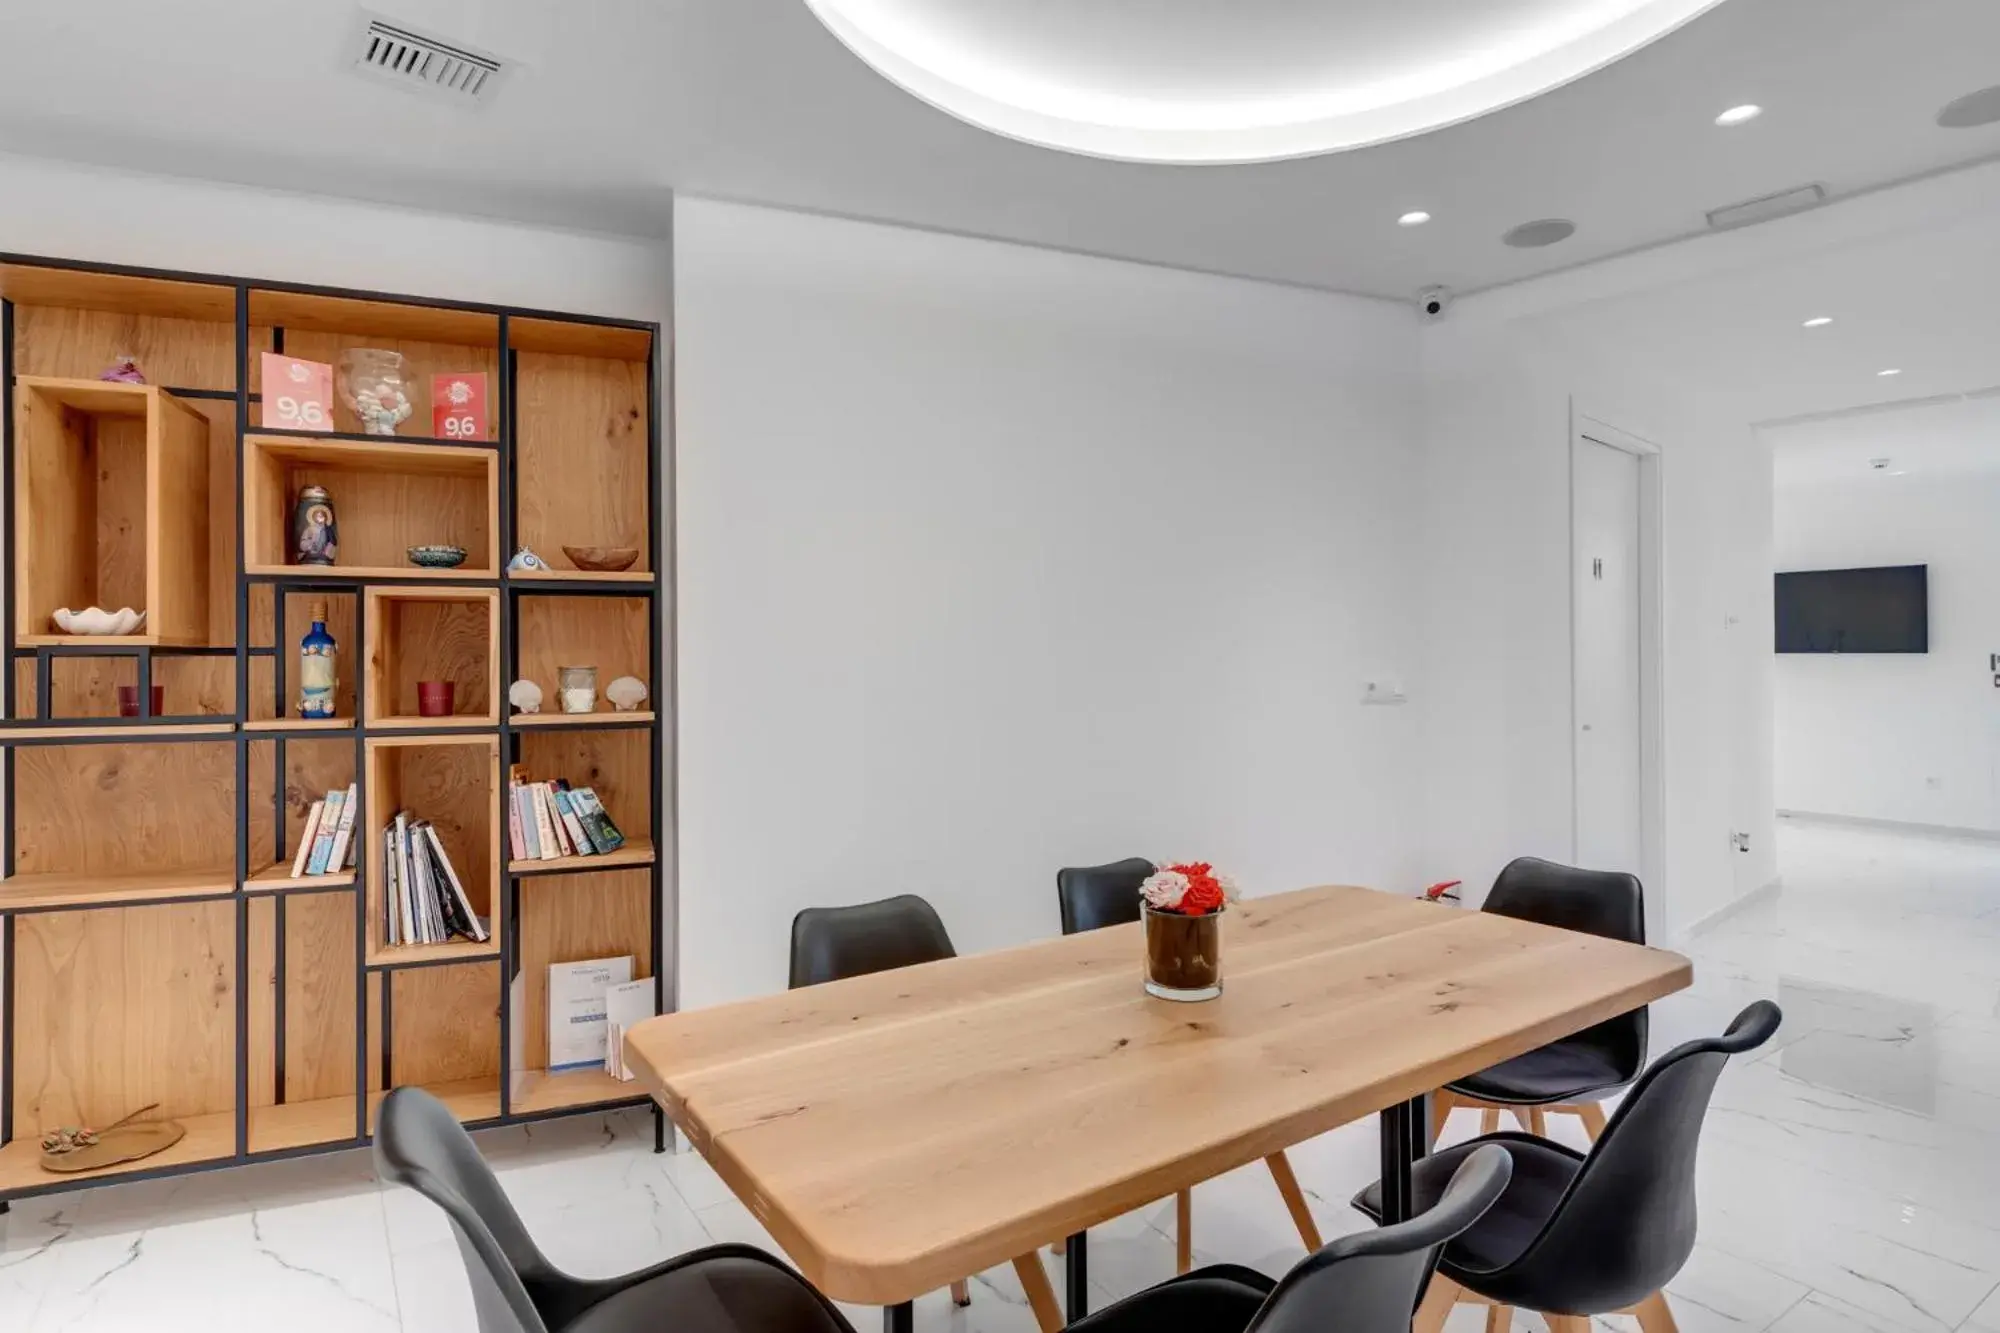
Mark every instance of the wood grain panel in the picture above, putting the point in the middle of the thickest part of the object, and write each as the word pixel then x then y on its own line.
pixel 119 456
pixel 261 985
pixel 616 764
pixel 367 323
pixel 581 435
pixel 81 289
pixel 445 1023
pixel 55 511
pixel 320 972
pixel 608 633
pixel 453 783
pixel 341 623
pixel 176 516
pixel 82 344
pixel 125 809
pixel 417 634
pixel 573 917
pixel 220 499
pixel 569 338
pixel 424 359
pixel 985 1104
pixel 385 500
pixel 120 1007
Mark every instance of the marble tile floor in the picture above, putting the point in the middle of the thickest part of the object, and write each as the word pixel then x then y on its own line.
pixel 1850 1176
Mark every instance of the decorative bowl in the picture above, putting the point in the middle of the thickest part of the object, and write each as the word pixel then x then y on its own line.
pixel 602 557
pixel 96 620
pixel 437 557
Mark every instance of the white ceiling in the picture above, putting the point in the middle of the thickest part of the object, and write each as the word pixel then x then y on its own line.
pixel 619 102
pixel 1249 81
pixel 1948 439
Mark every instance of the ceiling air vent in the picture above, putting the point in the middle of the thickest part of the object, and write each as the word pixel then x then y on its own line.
pixel 1768 207
pixel 408 59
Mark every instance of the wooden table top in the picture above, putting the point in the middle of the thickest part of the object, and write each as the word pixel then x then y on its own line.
pixel 898 1131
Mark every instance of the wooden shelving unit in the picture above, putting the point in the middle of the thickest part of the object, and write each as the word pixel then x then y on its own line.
pixel 157 947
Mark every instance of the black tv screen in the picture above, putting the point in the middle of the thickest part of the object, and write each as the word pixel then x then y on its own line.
pixel 1883 610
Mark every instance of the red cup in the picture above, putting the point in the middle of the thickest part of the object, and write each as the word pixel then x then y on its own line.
pixel 435 697
pixel 128 700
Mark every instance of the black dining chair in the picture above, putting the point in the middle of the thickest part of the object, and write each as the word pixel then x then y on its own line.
pixel 1573 1075
pixel 1367 1282
pixel 515 1289
pixel 1093 897
pixel 834 943
pixel 1575 1236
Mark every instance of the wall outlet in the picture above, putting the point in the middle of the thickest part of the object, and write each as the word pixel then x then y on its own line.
pixel 1740 841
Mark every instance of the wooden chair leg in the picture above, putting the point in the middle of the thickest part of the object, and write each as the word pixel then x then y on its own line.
pixel 961 1293
pixel 1499 1318
pixel 1489 1120
pixel 1295 1200
pixel 1441 1104
pixel 1567 1323
pixel 1654 1316
pixel 1183 1231
pixel 1592 1116
pixel 1439 1298
pixel 1538 1125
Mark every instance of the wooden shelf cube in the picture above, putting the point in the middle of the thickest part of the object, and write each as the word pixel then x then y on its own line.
pixel 453 781
pixel 417 634
pixel 582 427
pixel 111 509
pixel 609 633
pixel 603 914
pixel 387 497
pixel 443 1033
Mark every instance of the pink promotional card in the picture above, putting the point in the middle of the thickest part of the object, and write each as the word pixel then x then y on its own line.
pixel 298 395
pixel 458 406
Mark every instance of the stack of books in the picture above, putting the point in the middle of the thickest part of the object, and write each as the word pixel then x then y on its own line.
pixel 547 821
pixel 423 900
pixel 327 844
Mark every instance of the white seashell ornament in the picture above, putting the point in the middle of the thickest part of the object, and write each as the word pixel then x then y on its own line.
pixel 96 620
pixel 525 695
pixel 626 693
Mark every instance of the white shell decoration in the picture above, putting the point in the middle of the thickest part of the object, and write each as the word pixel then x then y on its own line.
pixel 525 695
pixel 626 693
pixel 96 620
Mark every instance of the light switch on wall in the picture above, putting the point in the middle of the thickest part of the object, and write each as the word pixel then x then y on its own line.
pixel 1384 691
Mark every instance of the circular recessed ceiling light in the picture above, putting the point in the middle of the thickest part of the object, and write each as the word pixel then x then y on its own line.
pixel 1249 81
pixel 1818 321
pixel 1534 235
pixel 1740 115
pixel 1414 218
pixel 1884 374
pixel 1972 110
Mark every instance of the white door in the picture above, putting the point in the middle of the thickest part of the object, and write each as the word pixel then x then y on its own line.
pixel 1608 821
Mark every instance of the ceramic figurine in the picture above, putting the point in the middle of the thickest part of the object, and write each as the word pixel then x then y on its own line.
pixel 123 370
pixel 525 695
pixel 316 667
pixel 626 693
pixel 525 559
pixel 315 536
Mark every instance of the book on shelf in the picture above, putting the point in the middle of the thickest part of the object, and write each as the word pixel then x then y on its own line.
pixel 306 836
pixel 626 1004
pixel 577 1010
pixel 329 820
pixel 552 821
pixel 424 900
pixel 343 830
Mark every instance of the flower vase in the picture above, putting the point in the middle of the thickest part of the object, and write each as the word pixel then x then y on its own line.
pixel 1183 955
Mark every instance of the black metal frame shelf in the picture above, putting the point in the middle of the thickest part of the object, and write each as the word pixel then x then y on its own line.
pixel 242 730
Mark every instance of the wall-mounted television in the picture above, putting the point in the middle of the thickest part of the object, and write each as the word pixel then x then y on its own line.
pixel 1880 610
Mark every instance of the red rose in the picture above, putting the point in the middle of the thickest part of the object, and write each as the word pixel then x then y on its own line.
pixel 1203 896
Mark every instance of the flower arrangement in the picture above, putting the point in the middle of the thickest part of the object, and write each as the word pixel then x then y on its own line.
pixel 1188 888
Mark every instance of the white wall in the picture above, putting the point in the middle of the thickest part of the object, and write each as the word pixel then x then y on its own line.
pixel 994 560
pixel 1912 738
pixel 65 211
pixel 1500 395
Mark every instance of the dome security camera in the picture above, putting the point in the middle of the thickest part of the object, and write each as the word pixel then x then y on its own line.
pixel 1432 302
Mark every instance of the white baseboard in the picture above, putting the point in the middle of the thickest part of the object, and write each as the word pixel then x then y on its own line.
pixel 1891 825
pixel 1731 908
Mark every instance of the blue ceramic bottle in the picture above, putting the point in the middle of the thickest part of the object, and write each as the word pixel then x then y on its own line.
pixel 316 667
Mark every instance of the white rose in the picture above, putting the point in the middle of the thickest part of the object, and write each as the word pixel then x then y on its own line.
pixel 1164 889
pixel 1231 892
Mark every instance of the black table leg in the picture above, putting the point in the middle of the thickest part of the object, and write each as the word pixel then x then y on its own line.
pixel 899 1318
pixel 1076 1281
pixel 1406 1137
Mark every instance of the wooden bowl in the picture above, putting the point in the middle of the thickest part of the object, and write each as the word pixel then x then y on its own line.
pixel 602 557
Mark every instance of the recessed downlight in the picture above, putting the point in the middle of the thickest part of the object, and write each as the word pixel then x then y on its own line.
pixel 1818 322
pixel 1884 374
pixel 1972 110
pixel 1740 115
pixel 1416 217
pixel 1541 232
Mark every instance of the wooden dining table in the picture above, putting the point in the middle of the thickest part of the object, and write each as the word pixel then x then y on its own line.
pixel 899 1131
